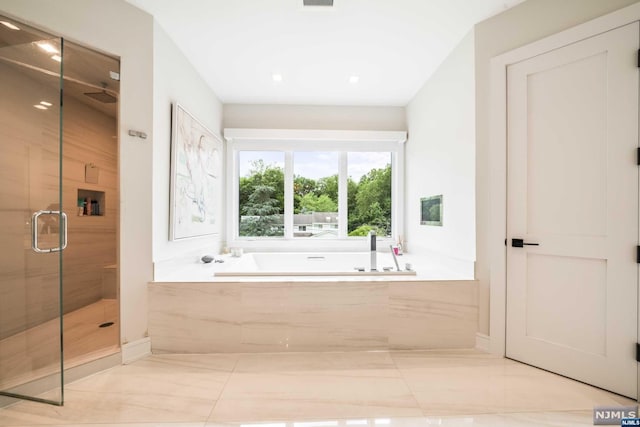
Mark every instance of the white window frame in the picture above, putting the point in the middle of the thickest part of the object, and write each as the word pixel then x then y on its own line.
pixel 290 141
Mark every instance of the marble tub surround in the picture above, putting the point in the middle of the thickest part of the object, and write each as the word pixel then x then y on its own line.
pixel 219 317
pixel 432 315
pixel 401 389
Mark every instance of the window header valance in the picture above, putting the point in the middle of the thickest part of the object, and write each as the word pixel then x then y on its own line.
pixel 270 135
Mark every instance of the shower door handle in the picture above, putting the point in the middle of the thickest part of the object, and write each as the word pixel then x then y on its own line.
pixel 63 224
pixel 34 231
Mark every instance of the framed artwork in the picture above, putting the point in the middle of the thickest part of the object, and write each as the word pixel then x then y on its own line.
pixel 431 210
pixel 196 175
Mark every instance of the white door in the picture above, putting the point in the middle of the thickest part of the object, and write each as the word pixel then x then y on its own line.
pixel 573 189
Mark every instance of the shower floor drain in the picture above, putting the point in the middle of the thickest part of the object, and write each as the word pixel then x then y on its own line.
pixel 106 324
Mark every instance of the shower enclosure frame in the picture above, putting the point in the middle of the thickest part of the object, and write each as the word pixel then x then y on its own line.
pixel 34 214
pixel 32 331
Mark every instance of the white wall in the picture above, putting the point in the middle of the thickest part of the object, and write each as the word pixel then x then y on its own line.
pixel 440 159
pixel 523 24
pixel 175 80
pixel 119 29
pixel 314 117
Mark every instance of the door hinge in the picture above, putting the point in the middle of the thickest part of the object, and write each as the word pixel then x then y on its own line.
pixel 638 58
pixel 638 254
pixel 638 352
pixel 638 156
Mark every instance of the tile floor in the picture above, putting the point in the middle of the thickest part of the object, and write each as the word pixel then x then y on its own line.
pixel 35 352
pixel 397 389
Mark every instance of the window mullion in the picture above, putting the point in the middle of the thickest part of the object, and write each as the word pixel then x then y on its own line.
pixel 343 201
pixel 288 194
pixel 233 194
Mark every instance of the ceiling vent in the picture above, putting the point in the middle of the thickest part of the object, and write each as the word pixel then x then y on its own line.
pixel 317 2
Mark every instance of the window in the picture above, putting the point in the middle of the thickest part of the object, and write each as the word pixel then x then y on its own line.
pixel 315 194
pixel 261 194
pixel 369 191
pixel 294 187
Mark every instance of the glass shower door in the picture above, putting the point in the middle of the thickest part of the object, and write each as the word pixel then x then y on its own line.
pixel 32 225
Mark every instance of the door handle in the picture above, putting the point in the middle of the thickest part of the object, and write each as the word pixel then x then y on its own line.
pixel 63 224
pixel 520 243
pixel 34 231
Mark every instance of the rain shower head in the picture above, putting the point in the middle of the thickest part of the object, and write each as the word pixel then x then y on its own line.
pixel 103 97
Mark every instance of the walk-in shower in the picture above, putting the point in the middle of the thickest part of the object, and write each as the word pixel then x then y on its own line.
pixel 58 209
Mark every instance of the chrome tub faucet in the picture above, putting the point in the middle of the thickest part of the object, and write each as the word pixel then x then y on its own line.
pixel 372 249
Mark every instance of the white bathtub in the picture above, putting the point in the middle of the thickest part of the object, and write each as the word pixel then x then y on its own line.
pixel 312 264
pixel 303 266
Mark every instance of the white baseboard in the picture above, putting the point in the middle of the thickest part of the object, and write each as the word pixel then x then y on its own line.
pixel 483 342
pixel 136 350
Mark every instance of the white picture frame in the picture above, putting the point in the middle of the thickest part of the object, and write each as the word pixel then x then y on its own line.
pixel 196 177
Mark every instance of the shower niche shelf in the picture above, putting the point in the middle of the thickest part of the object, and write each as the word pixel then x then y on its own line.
pixel 91 202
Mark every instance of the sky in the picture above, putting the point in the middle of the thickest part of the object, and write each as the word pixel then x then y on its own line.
pixel 315 164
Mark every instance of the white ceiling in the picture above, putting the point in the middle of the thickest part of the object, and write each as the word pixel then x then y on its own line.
pixel 393 46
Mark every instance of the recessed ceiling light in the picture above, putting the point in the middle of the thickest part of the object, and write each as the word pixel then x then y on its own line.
pixel 277 77
pixel 46 104
pixel 47 47
pixel 40 107
pixel 57 58
pixel 354 79
pixel 9 25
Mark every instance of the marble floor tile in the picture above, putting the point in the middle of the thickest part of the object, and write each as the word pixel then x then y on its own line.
pixel 397 389
pixel 162 388
pixel 535 419
pixel 442 358
pixel 466 383
pixel 312 385
pixel 315 361
pixel 101 407
pixel 179 424
pixel 532 419
pixel 276 396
